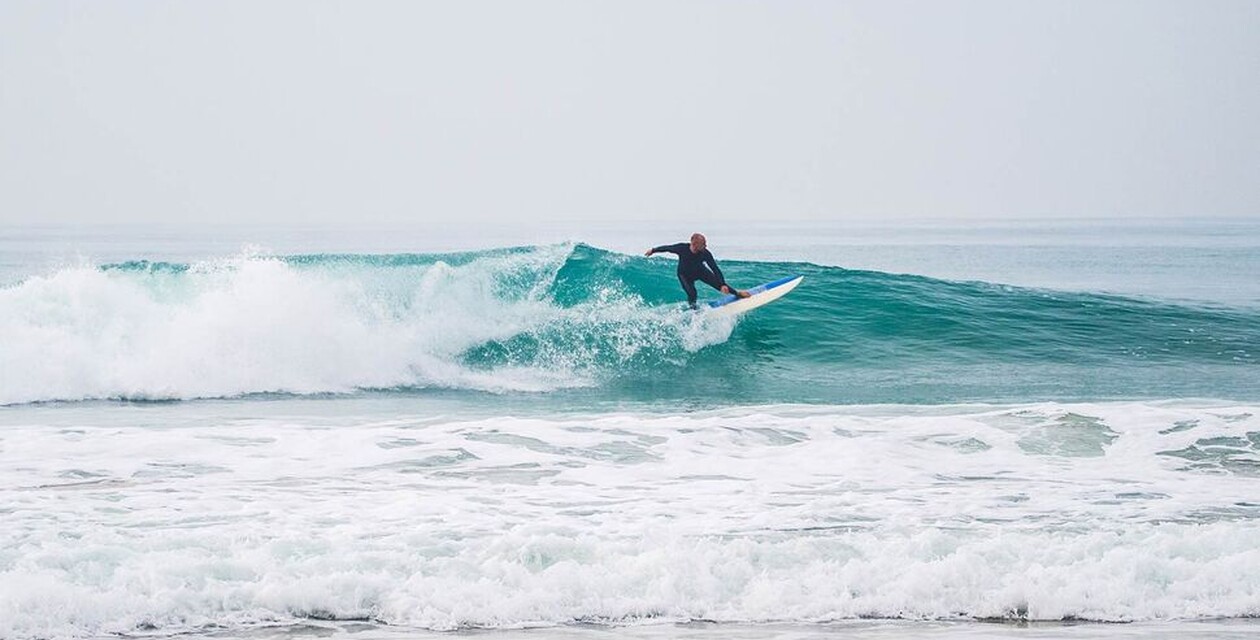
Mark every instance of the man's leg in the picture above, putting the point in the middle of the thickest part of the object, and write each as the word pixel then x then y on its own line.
pixel 689 286
pixel 712 280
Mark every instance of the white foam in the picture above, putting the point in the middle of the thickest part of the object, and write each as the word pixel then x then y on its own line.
pixel 255 324
pixel 121 520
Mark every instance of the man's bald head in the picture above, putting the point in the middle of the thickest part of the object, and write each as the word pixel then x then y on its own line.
pixel 698 243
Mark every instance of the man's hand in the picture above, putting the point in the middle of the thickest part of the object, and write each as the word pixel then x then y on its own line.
pixel 649 252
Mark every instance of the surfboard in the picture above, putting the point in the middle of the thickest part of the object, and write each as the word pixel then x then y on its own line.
pixel 762 294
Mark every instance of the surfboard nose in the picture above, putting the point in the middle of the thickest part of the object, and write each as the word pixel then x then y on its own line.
pixel 759 295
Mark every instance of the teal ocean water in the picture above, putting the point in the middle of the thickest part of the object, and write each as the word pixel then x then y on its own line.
pixel 945 432
pixel 588 326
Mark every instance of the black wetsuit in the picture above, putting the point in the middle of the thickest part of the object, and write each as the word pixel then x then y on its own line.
pixel 694 266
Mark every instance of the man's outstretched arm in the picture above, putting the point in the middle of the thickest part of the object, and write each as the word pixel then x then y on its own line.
pixel 676 249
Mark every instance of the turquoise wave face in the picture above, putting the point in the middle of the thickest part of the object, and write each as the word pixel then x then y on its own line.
pixel 848 336
pixel 579 324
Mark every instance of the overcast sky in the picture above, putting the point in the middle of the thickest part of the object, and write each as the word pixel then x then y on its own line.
pixel 393 112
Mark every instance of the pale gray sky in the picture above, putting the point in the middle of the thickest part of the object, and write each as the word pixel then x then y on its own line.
pixel 393 112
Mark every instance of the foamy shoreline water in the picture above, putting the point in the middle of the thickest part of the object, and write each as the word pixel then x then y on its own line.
pixel 1103 511
pixel 860 630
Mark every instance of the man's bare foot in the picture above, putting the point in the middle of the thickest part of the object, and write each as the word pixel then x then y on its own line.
pixel 742 294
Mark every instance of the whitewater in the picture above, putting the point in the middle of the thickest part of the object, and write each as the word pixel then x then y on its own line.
pixel 539 441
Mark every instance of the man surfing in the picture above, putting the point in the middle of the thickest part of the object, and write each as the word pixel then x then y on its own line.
pixel 696 263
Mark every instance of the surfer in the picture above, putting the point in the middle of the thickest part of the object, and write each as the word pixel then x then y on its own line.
pixel 696 263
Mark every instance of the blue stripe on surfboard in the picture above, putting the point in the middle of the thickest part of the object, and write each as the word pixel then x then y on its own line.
pixel 761 288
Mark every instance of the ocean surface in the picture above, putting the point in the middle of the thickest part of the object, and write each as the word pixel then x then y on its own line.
pixel 993 429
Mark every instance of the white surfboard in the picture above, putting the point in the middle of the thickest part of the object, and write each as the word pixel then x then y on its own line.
pixel 761 294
